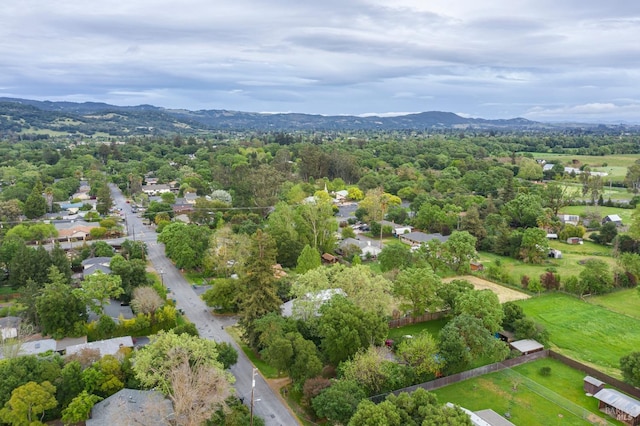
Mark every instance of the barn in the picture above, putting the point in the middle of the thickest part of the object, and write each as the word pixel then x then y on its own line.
pixel 619 406
pixel 592 385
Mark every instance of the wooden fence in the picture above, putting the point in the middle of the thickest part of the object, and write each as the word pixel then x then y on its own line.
pixel 430 316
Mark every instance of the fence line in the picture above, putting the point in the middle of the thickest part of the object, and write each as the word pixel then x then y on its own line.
pixel 429 316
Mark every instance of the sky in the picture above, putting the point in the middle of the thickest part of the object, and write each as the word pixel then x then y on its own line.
pixel 561 60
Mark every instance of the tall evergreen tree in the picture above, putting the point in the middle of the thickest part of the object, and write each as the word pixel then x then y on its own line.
pixel 35 205
pixel 258 295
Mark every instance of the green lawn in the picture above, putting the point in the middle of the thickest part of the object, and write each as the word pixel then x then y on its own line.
pixel 432 327
pixel 567 266
pixel 530 398
pixel 594 161
pixel 625 214
pixel 626 302
pixel 584 331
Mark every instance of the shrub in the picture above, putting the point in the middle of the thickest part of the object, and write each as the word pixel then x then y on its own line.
pixel 545 371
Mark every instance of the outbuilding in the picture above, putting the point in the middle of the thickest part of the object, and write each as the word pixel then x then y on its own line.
pixel 619 406
pixel 527 346
pixel 592 385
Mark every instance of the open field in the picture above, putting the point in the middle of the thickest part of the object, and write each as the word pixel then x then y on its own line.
pixel 530 398
pixel 608 192
pixel 615 165
pixel 584 331
pixel 505 294
pixel 626 302
pixel 625 214
pixel 567 266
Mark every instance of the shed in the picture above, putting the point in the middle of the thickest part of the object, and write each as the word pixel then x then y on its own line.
pixel 552 236
pixel 329 258
pixel 593 385
pixel 612 218
pixel 527 346
pixel 574 240
pixel 619 406
pixel 476 266
pixel 555 254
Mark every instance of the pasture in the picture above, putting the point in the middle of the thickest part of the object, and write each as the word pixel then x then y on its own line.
pixel 584 331
pixel 529 397
pixel 602 211
pixel 626 302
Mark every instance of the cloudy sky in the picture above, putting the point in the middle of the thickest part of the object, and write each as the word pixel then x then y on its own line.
pixel 540 59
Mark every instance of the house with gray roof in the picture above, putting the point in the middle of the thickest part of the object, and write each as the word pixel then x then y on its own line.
pixel 367 249
pixel 106 347
pixel 132 407
pixel 94 264
pixel 417 238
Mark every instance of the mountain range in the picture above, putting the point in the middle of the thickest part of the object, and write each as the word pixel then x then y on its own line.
pixel 92 118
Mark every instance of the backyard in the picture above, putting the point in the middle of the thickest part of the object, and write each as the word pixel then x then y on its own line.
pixel 529 397
pixel 585 331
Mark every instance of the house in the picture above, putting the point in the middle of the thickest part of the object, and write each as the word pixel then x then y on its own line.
pixel 9 327
pixel 366 248
pixel 574 240
pixel 619 406
pixel 569 219
pixel 592 385
pixel 309 305
pixel 94 264
pixel 396 228
pixel 417 238
pixel 552 236
pixel 156 189
pixel 131 406
pixel 526 346
pixel 341 196
pixel 33 347
pixel 486 417
pixel 106 347
pixel 614 218
pixel 555 254
pixel 190 198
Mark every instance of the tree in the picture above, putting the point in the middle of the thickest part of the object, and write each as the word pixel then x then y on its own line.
pixel 607 234
pixel 417 290
pixel 370 414
pixel 629 264
pixel 556 196
pixel 596 277
pixel 223 295
pixel 376 203
pixel 154 363
pixel 185 243
pixel 316 224
pixel 529 169
pixel 258 295
pixel 630 367
pixel 534 246
pixel 484 305
pixel 97 289
pixel 146 300
pixel 450 292
pixel 59 310
pixel 105 202
pixel 345 329
pixel 80 407
pixel 524 210
pixel 458 251
pixel 395 255
pixel 133 274
pixel 421 353
pixel 338 402
pixel 69 383
pixel 35 205
pixel 27 402
pixel 227 252
pixel 308 259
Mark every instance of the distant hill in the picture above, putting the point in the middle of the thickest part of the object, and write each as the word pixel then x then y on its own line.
pixel 92 118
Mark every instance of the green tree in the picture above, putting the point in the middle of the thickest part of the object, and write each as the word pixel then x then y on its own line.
pixel 80 407
pixel 596 277
pixel 370 414
pixel 450 292
pixel 316 225
pixel 607 234
pixel 59 310
pixel 417 290
pixel 309 259
pixel 338 402
pixel 223 295
pixel 395 255
pixel 420 353
pixel 458 251
pixel 630 367
pixel 35 205
pixel 524 210
pixel 258 295
pixel 97 289
pixel 345 329
pixel 105 202
pixel 227 252
pixel 534 246
pixel 484 305
pixel 27 402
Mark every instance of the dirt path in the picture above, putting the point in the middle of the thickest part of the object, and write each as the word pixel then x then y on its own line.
pixel 504 294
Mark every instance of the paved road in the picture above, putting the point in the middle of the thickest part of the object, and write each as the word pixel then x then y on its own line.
pixel 266 403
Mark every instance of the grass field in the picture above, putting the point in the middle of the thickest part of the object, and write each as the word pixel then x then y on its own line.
pixel 626 302
pixel 432 327
pixel 584 331
pixel 530 398
pixel 625 214
pixel 615 165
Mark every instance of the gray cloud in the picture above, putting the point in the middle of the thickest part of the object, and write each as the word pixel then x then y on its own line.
pixel 541 59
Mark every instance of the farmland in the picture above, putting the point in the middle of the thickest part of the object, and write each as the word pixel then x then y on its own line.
pixel 584 331
pixel 529 397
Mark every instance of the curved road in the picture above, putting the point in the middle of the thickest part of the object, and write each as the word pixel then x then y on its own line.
pixel 267 404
